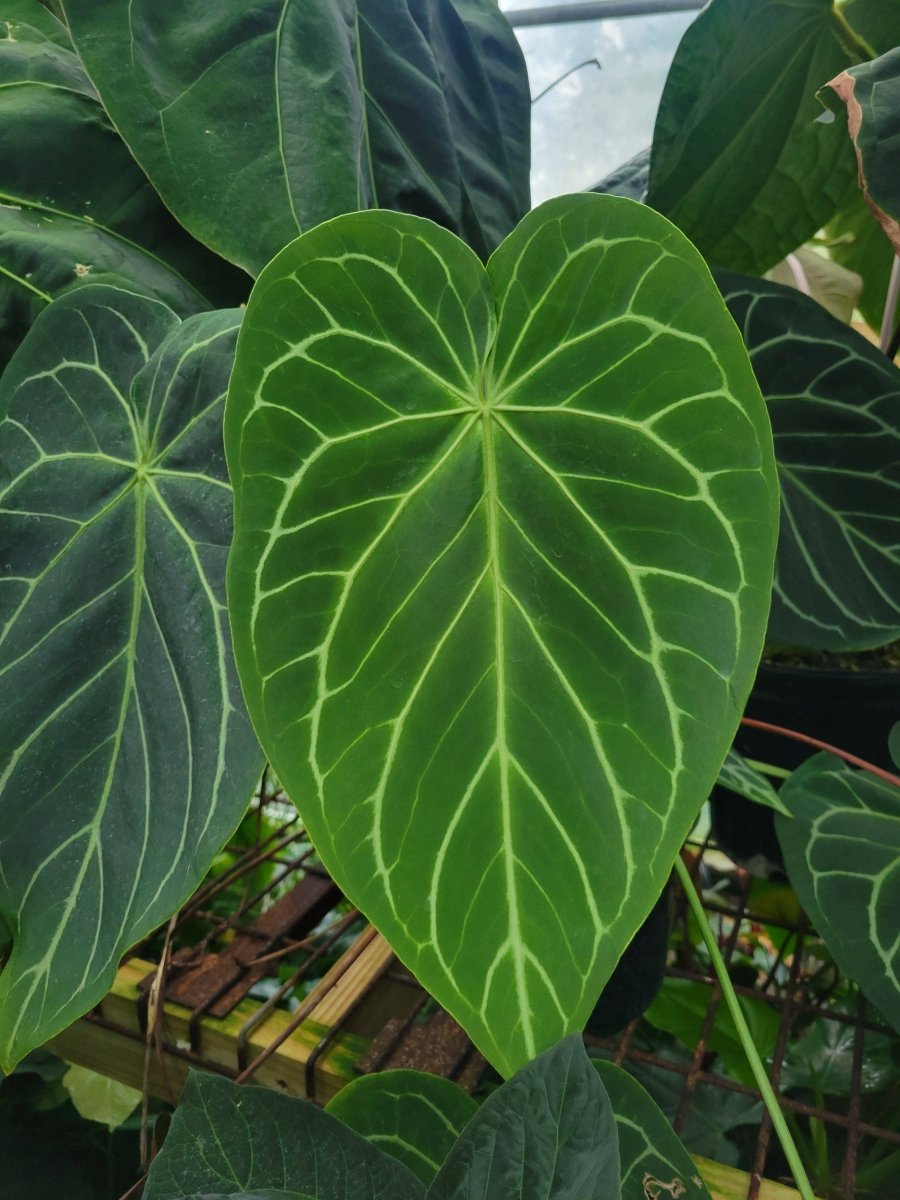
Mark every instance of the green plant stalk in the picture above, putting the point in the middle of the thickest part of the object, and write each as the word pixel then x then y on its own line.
pixel 768 769
pixel 759 1071
pixel 857 47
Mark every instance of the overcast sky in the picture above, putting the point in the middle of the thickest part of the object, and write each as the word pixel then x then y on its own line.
pixel 594 120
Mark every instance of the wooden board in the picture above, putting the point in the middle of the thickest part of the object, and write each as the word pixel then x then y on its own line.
pixel 115 1046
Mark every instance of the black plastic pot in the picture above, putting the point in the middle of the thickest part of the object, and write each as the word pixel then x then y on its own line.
pixel 638 976
pixel 852 710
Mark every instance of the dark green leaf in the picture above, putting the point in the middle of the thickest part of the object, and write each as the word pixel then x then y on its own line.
pixel 738 776
pixel 224 107
pixel 834 402
pixel 516 565
pixel 548 1132
pixel 628 180
pixel 711 1115
pixel 894 743
pixel 33 14
pixel 653 1158
pixel 126 757
pixel 229 1140
pixel 842 851
pixel 871 93
pixel 413 1116
pixel 681 1006
pixel 73 202
pixel 264 1194
pixel 426 108
pixel 739 161
pixel 448 110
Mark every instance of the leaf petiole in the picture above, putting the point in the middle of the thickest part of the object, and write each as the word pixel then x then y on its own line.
pixel 756 1066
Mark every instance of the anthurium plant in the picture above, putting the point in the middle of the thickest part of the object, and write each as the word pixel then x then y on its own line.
pixel 318 447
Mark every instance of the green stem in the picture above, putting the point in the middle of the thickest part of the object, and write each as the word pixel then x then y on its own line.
pixel 854 45
pixel 737 1015
pixel 768 768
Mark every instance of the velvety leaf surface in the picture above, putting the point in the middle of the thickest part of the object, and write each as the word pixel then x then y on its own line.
pixel 653 1158
pixel 549 1132
pixel 126 758
pixel 871 93
pixel 471 507
pixel 410 1115
pixel 842 851
pixel 739 161
pixel 834 403
pixel 224 105
pixel 72 200
pixel 236 1141
pixel 738 776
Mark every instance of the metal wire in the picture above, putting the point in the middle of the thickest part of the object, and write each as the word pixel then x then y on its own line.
pixel 598 10
pixel 785 987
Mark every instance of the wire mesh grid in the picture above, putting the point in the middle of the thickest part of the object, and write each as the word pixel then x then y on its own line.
pixel 294 957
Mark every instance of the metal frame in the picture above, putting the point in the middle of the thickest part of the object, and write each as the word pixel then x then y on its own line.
pixel 597 10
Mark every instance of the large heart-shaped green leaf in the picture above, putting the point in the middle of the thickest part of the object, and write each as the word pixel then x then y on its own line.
pixel 834 402
pixel 126 757
pixel 411 1115
pixel 503 547
pixel 653 1159
pixel 739 161
pixel 549 1132
pixel 842 851
pixel 227 1140
pixel 73 202
pixel 322 107
pixel 871 93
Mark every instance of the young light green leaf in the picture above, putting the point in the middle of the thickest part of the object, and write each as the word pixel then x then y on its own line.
pixel 548 1132
pixel 99 1098
pixel 851 896
pixel 653 1159
pixel 739 161
pixel 235 1141
pixel 126 757
pixel 834 402
pixel 499 582
pixel 413 1116
pixel 833 286
pixel 871 93
pixel 736 775
pixel 415 114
